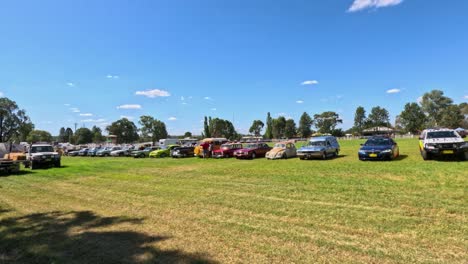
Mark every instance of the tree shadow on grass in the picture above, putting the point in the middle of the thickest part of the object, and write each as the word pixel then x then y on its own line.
pixel 70 237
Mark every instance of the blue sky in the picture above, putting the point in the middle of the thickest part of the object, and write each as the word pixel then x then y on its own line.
pixel 92 62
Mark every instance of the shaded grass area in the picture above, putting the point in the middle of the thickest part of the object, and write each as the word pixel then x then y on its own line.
pixel 194 210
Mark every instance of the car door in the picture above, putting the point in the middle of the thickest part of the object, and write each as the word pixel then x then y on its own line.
pixel 291 150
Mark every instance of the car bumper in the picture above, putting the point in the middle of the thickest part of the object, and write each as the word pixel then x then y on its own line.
pixel 443 152
pixel 375 156
pixel 243 156
pixel 309 155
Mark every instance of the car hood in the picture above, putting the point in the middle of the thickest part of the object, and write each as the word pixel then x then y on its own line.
pixel 117 151
pixel 376 147
pixel 276 150
pixel 444 140
pixel 311 148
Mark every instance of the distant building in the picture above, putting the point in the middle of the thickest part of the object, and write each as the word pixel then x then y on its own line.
pixel 378 131
pixel 111 139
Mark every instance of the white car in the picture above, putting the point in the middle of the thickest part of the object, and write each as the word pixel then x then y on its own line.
pixel 442 142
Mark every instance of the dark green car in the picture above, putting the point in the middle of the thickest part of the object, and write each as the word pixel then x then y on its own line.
pixel 143 153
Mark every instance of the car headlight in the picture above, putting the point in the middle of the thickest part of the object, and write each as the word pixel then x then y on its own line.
pixel 387 151
pixel 430 146
pixel 362 152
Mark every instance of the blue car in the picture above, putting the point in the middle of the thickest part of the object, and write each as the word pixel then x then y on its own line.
pixel 379 148
pixel 319 147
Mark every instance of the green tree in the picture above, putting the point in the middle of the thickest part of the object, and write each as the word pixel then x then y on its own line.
pixel 378 116
pixel 305 123
pixel 464 112
pixel 451 117
pixel 432 104
pixel 69 136
pixel 326 122
pixel 256 127
pixel 188 134
pixel 125 130
pixel 278 127
pixel 222 128
pixel 97 134
pixel 62 137
pixel 152 128
pixel 83 135
pixel 412 118
pixel 290 129
pixel 206 128
pixel 14 123
pixel 39 136
pixel 359 119
pixel 269 127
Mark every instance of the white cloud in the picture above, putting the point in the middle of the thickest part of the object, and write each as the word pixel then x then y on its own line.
pixel 75 110
pixel 309 82
pixel 359 5
pixel 419 100
pixel 299 101
pixel 213 109
pixel 208 98
pixel 465 97
pixel 392 91
pixel 86 114
pixel 71 84
pixel 112 76
pixel 1 94
pixel 182 98
pixel 67 104
pixel 153 93
pixel 128 117
pixel 172 118
pixel 184 103
pixel 129 106
pixel 100 120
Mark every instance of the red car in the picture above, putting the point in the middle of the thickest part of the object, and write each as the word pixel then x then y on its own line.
pixel 227 150
pixel 252 151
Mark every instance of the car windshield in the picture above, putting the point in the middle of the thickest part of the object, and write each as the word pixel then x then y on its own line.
pixel 227 146
pixel 441 134
pixel 316 143
pixel 278 145
pixel 148 149
pixel 37 149
pixel 378 142
pixel 252 146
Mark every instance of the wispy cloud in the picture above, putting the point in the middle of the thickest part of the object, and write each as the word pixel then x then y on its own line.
pixel 309 82
pixel 100 120
pixel 129 106
pixel 172 118
pixel 75 110
pixel 153 93
pixel 109 76
pixel 213 109
pixel 359 5
pixel 299 101
pixel 182 98
pixel 1 94
pixel 208 98
pixel 71 84
pixel 86 114
pixel 465 97
pixel 67 104
pixel 393 91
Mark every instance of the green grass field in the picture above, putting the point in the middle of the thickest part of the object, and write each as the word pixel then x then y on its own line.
pixel 109 210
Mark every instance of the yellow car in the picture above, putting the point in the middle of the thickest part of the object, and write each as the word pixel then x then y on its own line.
pixel 163 152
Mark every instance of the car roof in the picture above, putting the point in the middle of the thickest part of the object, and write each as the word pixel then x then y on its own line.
pixel 321 138
pixel 437 129
pixel 41 145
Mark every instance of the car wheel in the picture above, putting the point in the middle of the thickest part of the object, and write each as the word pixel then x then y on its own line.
pixel 163 155
pixel 34 165
pixel 142 155
pixel 57 164
pixel 324 155
pixel 226 156
pixel 284 156
pixel 301 158
pixel 106 155
pixel 425 155
pixel 253 156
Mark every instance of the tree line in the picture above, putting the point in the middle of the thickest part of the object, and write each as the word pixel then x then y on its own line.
pixel 433 110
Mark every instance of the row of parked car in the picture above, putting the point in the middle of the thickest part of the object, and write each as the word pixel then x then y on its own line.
pixel 433 142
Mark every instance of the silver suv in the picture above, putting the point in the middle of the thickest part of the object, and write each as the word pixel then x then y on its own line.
pixel 42 155
pixel 442 142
